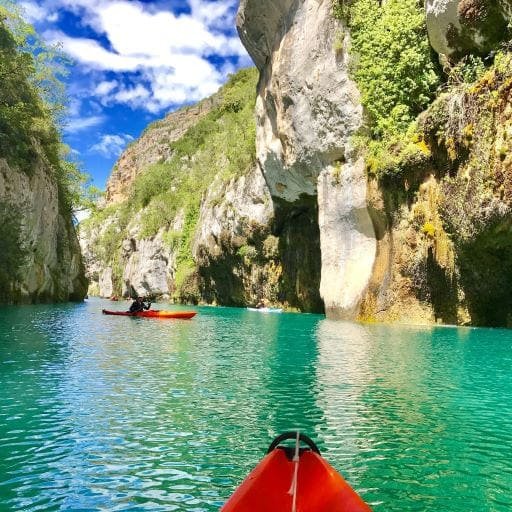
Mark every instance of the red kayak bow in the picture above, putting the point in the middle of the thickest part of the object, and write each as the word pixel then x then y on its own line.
pixel 294 480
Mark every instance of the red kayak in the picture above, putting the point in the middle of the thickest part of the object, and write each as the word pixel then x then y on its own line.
pixel 153 313
pixel 294 480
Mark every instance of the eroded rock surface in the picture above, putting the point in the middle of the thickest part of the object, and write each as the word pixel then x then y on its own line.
pixel 41 258
pixel 153 147
pixel 307 110
pixel 461 27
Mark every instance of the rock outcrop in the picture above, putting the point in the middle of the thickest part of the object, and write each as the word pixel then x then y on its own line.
pixel 461 27
pixel 308 108
pixel 153 147
pixel 236 252
pixel 41 259
pixel 208 231
pixel 233 234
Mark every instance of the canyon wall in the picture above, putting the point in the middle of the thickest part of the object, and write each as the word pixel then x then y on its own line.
pixel 307 110
pixel 359 173
pixel 41 259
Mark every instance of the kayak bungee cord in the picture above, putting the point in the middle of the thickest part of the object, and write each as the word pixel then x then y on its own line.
pixel 296 459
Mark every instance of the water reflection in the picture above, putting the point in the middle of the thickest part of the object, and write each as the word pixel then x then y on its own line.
pixel 397 405
pixel 118 413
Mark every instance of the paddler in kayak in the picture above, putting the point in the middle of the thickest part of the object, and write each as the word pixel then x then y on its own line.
pixel 261 304
pixel 139 305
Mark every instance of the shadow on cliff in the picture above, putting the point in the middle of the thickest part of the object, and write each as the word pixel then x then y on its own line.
pixel 13 250
pixel 485 267
pixel 296 225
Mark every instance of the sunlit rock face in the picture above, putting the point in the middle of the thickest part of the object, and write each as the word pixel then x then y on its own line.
pixel 148 267
pixel 307 110
pixel 153 147
pixel 348 239
pixel 235 252
pixel 40 259
pixel 461 27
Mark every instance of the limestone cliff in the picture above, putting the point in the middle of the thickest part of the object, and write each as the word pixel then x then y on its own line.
pixel 205 232
pixel 341 135
pixel 307 109
pixel 459 27
pixel 154 146
pixel 445 248
pixel 41 258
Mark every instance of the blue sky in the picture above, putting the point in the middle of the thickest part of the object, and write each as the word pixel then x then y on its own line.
pixel 134 61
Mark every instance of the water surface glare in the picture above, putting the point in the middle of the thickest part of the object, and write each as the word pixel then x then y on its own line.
pixel 116 413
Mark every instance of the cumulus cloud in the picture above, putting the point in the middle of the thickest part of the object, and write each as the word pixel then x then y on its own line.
pixel 105 87
pixel 111 145
pixel 160 59
pixel 34 12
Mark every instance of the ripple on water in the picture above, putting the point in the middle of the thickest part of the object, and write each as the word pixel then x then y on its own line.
pixel 106 413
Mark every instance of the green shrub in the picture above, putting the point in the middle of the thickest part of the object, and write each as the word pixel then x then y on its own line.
pixel 395 70
pixel 248 253
pixel 31 103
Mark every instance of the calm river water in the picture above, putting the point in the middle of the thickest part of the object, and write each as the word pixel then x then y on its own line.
pixel 116 413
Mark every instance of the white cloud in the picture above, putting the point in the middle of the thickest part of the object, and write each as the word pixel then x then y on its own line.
pixel 33 12
pixel 217 14
pixel 161 59
pixel 106 87
pixel 111 145
pixel 78 124
pixel 92 54
pixel 135 96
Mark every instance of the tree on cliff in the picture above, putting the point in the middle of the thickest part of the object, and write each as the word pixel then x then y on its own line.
pixel 32 104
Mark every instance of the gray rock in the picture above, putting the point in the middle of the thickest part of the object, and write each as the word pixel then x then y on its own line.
pixel 41 250
pixel 307 110
pixel 461 27
pixel 149 268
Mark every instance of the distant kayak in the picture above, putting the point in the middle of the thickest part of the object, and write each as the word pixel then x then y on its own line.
pixel 153 313
pixel 266 310
pixel 294 479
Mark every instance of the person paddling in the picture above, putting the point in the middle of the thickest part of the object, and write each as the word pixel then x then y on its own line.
pixel 139 305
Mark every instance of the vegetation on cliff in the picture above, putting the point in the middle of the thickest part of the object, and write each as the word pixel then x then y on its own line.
pixel 439 144
pixel 397 74
pixel 32 102
pixel 31 106
pixel 469 129
pixel 219 147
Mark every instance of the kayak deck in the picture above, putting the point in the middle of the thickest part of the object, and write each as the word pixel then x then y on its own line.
pixel 153 313
pixel 281 481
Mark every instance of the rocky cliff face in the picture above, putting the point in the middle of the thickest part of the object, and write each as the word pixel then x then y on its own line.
pixel 390 245
pixel 219 244
pixel 40 258
pixel 236 254
pixel 308 108
pixel 154 146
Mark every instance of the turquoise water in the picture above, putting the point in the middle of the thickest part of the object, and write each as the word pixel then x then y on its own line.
pixel 115 413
